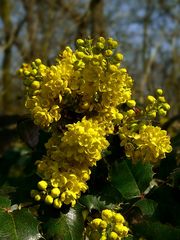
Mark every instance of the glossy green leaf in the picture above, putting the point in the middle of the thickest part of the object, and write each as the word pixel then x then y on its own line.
pixel 92 202
pixel 147 206
pixel 122 178
pixel 131 179
pixel 110 194
pixel 143 174
pixel 68 226
pixel 157 231
pixel 18 225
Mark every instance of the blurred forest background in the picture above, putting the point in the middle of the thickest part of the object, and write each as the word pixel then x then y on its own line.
pixel 148 32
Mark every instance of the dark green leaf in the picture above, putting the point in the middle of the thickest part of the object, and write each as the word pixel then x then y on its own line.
pixel 131 179
pixel 130 237
pixel 68 226
pixel 143 174
pixel 110 194
pixel 157 231
pixel 18 225
pixel 92 202
pixel 168 204
pixel 122 178
pixel 4 202
pixel 147 206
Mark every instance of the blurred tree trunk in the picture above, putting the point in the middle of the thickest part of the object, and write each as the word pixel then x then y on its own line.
pixel 94 18
pixel 146 60
pixel 97 18
pixel 6 62
pixel 32 27
pixel 48 23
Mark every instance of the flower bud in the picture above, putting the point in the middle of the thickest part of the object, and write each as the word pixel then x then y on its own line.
pixel 57 203
pixel 152 114
pixel 131 103
pixel 55 192
pixel 162 99
pixel 130 113
pixel 26 73
pixel 80 54
pixel 162 112
pixel 48 200
pixel 80 42
pixel 35 85
pixel 96 222
pixel 119 218
pixel 38 61
pixel 103 224
pixel 108 53
pixel 42 185
pixel 151 99
pixel 107 214
pixel 113 236
pixel 37 197
pixel 100 45
pixel 119 57
pixel 112 68
pixel 166 106
pixel 159 91
pixel 112 43
pixel 101 39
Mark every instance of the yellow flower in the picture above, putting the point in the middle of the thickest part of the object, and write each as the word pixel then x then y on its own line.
pixel 149 145
pixel 109 226
pixel 153 143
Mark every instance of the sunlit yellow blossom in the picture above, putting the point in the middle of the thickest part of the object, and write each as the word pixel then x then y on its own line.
pixel 80 100
pixel 149 145
pixel 109 226
pixel 153 143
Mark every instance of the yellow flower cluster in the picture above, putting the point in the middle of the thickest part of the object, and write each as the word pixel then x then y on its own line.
pixel 142 141
pixel 81 99
pixel 65 169
pixel 85 86
pixel 88 79
pixel 157 106
pixel 148 145
pixel 101 83
pixel 109 227
pixel 46 86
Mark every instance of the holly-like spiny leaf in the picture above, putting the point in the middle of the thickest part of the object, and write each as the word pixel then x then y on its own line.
pixel 68 226
pixel 156 230
pixel 131 180
pixel 18 224
pixel 147 206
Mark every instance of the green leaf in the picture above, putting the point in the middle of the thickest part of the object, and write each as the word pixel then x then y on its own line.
pixel 156 231
pixel 131 179
pixel 92 202
pixel 110 194
pixel 143 174
pixel 122 178
pixel 18 225
pixel 129 237
pixel 147 206
pixel 4 202
pixel 68 226
pixel 168 204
